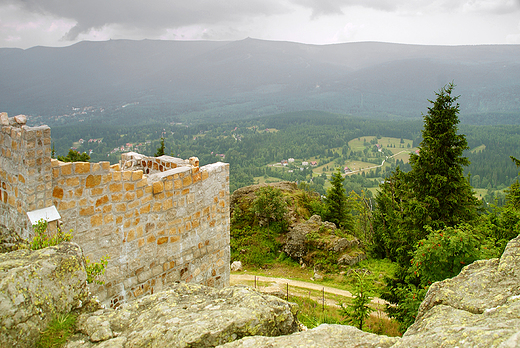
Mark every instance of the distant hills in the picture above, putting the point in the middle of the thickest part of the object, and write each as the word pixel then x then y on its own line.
pixel 196 81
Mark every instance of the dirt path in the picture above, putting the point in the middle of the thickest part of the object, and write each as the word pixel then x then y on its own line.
pixel 282 283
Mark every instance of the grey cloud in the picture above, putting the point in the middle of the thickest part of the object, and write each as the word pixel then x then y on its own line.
pixel 325 7
pixel 149 15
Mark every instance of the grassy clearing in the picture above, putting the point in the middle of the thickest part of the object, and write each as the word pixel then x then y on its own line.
pixel 264 180
pixel 478 149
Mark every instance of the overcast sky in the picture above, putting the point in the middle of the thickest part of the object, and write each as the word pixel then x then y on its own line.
pixel 27 23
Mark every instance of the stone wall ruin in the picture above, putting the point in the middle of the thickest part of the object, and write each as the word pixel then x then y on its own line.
pixel 161 220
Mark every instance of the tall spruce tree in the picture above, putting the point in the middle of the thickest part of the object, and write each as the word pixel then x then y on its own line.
pixel 434 192
pixel 336 204
pixel 436 178
pixel 433 195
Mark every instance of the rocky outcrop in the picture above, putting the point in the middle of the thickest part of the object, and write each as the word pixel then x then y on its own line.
pixel 243 198
pixel 10 240
pixel 325 336
pixel 188 315
pixel 37 285
pixel 478 308
pixel 312 240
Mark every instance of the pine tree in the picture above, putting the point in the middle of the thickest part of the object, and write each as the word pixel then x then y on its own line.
pixel 160 149
pixel 336 207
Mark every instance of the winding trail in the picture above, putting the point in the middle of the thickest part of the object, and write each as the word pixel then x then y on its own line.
pixel 282 283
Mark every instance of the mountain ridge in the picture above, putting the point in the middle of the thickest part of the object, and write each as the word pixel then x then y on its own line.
pixel 245 78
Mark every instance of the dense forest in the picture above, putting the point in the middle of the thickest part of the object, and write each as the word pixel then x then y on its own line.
pixel 255 148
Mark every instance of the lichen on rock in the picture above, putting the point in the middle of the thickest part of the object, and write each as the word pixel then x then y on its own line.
pixel 37 285
pixel 323 336
pixel 189 315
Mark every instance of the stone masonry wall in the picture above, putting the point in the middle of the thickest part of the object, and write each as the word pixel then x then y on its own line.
pixel 25 171
pixel 160 220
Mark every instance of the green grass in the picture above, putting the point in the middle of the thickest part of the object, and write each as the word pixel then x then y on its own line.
pixel 58 331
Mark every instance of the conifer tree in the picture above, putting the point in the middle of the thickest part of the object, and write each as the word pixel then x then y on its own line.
pixel 336 207
pixel 434 195
pixel 160 149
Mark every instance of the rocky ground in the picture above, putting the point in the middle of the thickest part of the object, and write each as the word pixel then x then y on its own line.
pixel 478 308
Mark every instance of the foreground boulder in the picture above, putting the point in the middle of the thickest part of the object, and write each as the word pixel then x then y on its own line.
pixel 37 285
pixel 188 315
pixel 478 308
pixel 324 336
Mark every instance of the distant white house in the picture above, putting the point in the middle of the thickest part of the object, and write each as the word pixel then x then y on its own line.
pixel 290 160
pixel 305 163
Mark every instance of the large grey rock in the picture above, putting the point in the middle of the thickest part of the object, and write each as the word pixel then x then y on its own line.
pixel 324 336
pixel 306 237
pixel 478 308
pixel 35 286
pixel 236 266
pixel 188 315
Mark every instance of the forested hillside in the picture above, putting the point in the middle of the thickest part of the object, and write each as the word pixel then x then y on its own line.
pixel 256 147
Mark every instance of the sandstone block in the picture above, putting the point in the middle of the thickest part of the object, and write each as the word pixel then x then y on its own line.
pixel 116 187
pixel 127 175
pixel 74 181
pixel 86 211
pixel 105 165
pixel 97 191
pixel 162 240
pixel 66 168
pixel 168 204
pixel 158 187
pixel 108 218
pixel 150 239
pixel 20 119
pixel 116 167
pixel 81 167
pixel 102 200
pixel 137 175
pixel 57 193
pixel 92 181
pixel 186 181
pixel 4 119
pixel 129 196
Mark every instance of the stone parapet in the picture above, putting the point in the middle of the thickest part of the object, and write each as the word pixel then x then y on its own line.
pixel 161 220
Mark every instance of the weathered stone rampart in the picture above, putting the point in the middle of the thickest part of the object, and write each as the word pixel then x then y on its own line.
pixel 160 220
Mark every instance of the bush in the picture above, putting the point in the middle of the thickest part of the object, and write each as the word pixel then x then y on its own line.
pixel 41 240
